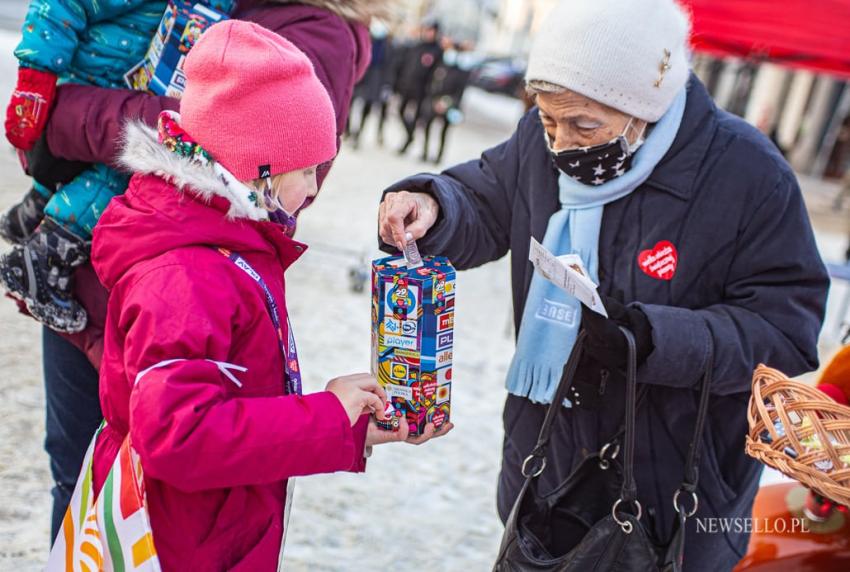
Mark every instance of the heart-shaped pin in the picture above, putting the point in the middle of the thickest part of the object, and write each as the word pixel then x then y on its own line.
pixel 660 261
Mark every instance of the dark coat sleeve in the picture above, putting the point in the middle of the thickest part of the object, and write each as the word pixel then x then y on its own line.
pixel 773 308
pixel 87 121
pixel 476 201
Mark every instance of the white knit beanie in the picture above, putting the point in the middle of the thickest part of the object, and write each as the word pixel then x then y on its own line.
pixel 616 52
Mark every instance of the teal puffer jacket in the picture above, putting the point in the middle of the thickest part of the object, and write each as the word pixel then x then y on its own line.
pixel 92 41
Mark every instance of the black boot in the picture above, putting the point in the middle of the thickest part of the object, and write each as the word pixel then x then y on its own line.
pixel 41 274
pixel 18 223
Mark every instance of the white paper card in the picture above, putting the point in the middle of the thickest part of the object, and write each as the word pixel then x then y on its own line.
pixel 568 273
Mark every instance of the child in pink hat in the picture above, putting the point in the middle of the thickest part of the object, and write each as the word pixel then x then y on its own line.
pixel 200 368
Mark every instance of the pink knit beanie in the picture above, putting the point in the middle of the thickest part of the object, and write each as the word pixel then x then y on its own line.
pixel 253 101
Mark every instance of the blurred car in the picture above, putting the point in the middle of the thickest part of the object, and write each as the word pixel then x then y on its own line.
pixel 502 74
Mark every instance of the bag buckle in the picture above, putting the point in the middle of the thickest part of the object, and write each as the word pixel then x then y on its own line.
pixel 625 524
pixel 604 463
pixel 537 471
pixel 679 509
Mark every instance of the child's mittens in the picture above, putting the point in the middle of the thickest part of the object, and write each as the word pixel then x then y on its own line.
pixel 30 106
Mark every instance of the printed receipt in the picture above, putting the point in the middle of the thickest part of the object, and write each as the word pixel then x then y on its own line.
pixel 568 273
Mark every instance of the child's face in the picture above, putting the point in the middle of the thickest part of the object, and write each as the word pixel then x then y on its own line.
pixel 291 190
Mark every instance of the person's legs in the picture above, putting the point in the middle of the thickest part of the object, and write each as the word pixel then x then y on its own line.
pixel 381 120
pixel 364 114
pixel 443 134
pixel 73 415
pixel 427 129
pixel 408 126
pixel 402 111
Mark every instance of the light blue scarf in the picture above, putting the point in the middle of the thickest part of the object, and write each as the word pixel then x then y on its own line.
pixel 551 319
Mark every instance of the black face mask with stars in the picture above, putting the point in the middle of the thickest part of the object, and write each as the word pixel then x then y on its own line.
pixel 598 164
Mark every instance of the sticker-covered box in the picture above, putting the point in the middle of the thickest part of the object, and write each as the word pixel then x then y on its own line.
pixel 183 22
pixel 412 337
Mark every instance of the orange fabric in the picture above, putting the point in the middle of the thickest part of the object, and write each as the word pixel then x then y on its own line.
pixel 837 372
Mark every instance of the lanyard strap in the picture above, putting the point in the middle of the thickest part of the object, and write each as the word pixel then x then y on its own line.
pixel 290 353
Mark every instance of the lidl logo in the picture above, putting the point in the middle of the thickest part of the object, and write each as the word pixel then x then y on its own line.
pixel 399 371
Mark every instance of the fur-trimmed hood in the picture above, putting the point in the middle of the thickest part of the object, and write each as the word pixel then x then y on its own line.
pixel 172 203
pixel 143 153
pixel 355 10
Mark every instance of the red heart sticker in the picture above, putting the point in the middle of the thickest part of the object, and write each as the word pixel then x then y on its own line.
pixel 659 262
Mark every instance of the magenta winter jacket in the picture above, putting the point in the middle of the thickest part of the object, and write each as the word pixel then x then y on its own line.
pixel 192 367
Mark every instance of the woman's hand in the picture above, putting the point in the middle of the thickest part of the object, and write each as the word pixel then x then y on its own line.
pixel 405 212
pixel 359 393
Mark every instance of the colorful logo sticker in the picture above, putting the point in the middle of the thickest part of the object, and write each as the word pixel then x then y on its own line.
pixel 399 371
pixel 446 322
pixel 444 358
pixel 439 290
pixel 401 342
pixel 409 328
pixel 400 391
pixel 428 389
pixel 444 340
pixel 392 326
pixel 450 288
pixel 402 300
pixel 439 415
pixel 444 392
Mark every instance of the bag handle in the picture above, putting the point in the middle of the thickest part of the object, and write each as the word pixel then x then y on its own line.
pixel 628 492
pixel 538 454
pixel 691 478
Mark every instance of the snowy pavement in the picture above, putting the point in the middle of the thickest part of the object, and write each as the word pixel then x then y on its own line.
pixel 429 507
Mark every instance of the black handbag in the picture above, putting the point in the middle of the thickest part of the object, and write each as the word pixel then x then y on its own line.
pixel 592 521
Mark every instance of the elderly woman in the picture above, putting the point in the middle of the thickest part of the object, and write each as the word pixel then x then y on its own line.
pixel 689 220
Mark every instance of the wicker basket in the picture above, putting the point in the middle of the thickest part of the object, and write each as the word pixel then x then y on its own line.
pixel 798 430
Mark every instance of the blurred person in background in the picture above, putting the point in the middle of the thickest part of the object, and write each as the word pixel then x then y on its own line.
pixel 442 103
pixel 85 126
pixel 376 87
pixel 416 67
pixel 693 226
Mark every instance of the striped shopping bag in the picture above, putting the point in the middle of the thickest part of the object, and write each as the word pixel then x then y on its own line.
pixel 112 532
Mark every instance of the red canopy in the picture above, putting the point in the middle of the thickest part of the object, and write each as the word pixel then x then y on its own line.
pixel 810 34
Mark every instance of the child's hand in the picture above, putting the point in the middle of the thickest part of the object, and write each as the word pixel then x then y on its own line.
pixel 377 436
pixel 359 394
pixel 29 108
pixel 431 433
